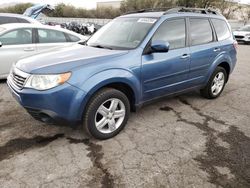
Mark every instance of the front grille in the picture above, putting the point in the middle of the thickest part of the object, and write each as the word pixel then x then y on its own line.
pixel 239 37
pixel 18 78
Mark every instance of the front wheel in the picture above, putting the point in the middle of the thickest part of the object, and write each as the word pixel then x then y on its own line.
pixel 215 84
pixel 106 113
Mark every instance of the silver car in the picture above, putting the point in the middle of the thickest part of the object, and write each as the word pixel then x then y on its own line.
pixel 243 34
pixel 21 40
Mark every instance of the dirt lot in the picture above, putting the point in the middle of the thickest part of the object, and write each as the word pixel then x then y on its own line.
pixel 186 141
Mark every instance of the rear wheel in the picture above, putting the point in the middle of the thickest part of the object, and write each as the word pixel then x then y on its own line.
pixel 216 84
pixel 107 113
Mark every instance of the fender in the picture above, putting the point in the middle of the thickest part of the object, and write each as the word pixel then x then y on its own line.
pixel 222 57
pixel 110 76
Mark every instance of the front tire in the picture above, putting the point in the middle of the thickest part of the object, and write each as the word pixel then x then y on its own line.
pixel 106 114
pixel 216 84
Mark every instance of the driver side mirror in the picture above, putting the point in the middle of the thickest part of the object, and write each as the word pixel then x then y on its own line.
pixel 159 46
pixel 1 44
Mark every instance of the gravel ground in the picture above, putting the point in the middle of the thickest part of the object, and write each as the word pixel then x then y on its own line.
pixel 186 141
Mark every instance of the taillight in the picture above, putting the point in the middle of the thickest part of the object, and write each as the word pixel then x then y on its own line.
pixel 235 45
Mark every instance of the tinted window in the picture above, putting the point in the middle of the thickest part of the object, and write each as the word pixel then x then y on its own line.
pixel 73 38
pixel 22 20
pixel 50 36
pixel 174 32
pixel 200 31
pixel 221 29
pixel 5 20
pixel 19 36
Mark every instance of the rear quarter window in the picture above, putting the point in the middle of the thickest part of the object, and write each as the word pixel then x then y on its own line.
pixel 221 29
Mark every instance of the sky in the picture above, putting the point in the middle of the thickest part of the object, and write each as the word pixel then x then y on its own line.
pixel 78 3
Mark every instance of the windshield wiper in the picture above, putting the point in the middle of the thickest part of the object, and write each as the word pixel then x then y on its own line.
pixel 101 46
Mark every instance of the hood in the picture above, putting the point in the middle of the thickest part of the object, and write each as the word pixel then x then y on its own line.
pixel 64 59
pixel 242 33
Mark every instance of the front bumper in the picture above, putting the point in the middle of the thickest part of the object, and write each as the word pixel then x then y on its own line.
pixel 242 38
pixel 59 104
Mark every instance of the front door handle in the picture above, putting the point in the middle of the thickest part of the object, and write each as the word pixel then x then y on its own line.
pixel 216 49
pixel 29 49
pixel 185 56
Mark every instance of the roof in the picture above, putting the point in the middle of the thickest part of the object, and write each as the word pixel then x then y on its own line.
pixel 174 12
pixel 28 25
pixel 145 14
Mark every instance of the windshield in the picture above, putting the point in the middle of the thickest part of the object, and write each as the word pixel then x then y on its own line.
pixel 122 33
pixel 245 28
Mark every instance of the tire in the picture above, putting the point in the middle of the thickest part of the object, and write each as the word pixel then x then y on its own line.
pixel 211 92
pixel 102 121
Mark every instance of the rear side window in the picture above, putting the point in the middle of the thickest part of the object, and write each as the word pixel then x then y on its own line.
pixel 172 31
pixel 6 20
pixel 221 29
pixel 200 31
pixel 51 36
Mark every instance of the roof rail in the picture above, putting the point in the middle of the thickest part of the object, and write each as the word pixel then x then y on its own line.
pixel 193 10
pixel 163 9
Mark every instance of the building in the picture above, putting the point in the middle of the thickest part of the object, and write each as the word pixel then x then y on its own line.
pixel 105 4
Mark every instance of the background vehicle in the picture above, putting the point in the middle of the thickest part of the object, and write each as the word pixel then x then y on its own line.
pixel 6 18
pixel 134 59
pixel 22 40
pixel 243 34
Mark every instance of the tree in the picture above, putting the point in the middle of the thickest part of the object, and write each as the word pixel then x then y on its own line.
pixel 18 9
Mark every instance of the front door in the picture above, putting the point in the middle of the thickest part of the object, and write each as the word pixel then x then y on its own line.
pixel 166 73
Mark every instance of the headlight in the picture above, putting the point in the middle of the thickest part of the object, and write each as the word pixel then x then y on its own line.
pixel 44 82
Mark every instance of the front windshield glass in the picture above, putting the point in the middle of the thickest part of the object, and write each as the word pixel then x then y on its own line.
pixel 122 33
pixel 245 28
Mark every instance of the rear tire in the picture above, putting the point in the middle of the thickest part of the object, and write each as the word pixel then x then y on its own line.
pixel 216 84
pixel 106 114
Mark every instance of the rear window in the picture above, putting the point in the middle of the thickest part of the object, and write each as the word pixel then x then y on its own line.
pixel 221 29
pixel 6 20
pixel 22 20
pixel 200 31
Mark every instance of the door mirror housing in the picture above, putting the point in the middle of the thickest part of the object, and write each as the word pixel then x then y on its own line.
pixel 160 46
pixel 1 44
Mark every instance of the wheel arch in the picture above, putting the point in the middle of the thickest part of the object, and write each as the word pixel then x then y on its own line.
pixel 121 80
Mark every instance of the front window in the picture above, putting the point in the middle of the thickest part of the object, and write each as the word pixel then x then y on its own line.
pixel 122 33
pixel 245 28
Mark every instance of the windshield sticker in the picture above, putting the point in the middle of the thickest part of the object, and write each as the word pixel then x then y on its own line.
pixel 147 20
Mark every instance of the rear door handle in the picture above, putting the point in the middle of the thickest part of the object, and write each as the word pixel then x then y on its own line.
pixel 185 56
pixel 29 49
pixel 216 49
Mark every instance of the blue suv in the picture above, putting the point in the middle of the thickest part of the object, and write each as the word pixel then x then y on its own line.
pixel 135 58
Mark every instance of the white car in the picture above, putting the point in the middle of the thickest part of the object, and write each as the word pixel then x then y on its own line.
pixel 21 40
pixel 243 34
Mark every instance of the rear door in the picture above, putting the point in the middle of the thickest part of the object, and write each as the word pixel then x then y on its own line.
pixel 49 38
pixel 17 44
pixel 203 48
